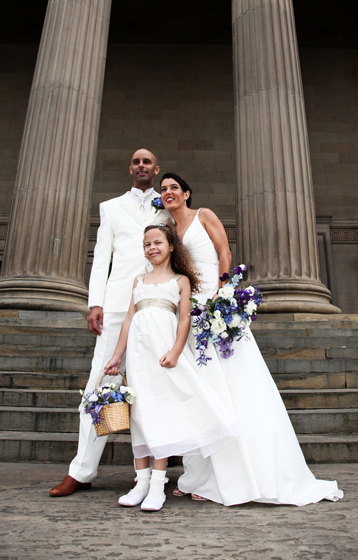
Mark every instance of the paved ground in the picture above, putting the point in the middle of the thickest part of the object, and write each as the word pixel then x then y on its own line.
pixel 90 525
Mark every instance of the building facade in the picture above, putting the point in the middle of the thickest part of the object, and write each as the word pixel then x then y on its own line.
pixel 253 102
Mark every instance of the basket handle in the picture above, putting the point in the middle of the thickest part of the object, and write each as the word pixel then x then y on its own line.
pixel 102 374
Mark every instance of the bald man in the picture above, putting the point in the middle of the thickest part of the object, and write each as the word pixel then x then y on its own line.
pixel 120 238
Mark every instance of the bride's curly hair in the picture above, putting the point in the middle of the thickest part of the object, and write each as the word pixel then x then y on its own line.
pixel 180 259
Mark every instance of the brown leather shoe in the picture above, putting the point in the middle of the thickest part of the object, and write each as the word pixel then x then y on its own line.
pixel 68 486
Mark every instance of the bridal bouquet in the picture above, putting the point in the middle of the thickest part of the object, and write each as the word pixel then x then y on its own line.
pixel 223 320
pixel 103 405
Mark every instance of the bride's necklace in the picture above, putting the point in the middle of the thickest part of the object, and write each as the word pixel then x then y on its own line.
pixel 179 226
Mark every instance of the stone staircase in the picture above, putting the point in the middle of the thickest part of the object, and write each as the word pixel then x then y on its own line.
pixel 45 359
pixel 313 360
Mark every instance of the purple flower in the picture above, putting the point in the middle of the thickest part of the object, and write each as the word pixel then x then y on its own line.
pixel 157 203
pixel 195 311
pixel 225 277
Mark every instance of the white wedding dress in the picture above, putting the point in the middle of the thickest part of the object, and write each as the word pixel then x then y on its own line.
pixel 265 463
pixel 175 411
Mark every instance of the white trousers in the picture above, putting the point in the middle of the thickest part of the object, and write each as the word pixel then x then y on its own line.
pixel 84 466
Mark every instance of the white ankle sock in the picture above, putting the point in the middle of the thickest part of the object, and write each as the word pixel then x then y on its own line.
pixel 156 497
pixel 143 480
pixel 139 492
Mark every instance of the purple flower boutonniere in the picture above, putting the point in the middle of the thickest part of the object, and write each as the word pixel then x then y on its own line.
pixel 157 204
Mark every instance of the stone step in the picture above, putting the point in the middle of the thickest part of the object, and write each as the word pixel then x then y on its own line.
pixel 283 342
pixel 45 419
pixel 44 339
pixel 309 399
pixel 43 398
pixel 293 399
pixel 325 421
pixel 331 334
pixel 64 338
pixel 47 363
pixel 288 365
pixel 322 380
pixel 30 380
pixel 305 320
pixel 295 353
pixel 39 419
pixel 61 448
pixel 319 448
pixel 18 350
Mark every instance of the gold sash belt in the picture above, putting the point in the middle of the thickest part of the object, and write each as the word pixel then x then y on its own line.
pixel 156 302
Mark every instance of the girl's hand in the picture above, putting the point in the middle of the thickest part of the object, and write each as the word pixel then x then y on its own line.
pixel 169 360
pixel 112 368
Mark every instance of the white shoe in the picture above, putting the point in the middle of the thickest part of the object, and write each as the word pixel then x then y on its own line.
pixel 150 504
pixel 133 498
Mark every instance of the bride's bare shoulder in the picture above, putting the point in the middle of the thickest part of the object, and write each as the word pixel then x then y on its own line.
pixel 207 214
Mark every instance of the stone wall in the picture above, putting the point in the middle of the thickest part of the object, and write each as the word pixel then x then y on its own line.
pixel 177 101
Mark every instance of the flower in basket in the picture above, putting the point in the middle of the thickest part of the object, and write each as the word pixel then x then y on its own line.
pixel 94 402
pixel 157 203
pixel 223 320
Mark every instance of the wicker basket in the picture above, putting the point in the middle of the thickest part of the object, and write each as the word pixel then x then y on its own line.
pixel 115 416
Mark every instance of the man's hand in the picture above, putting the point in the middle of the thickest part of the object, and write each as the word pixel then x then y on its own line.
pixel 95 320
pixel 169 360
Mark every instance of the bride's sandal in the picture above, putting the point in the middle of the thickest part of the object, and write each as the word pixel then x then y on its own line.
pixel 198 498
pixel 178 493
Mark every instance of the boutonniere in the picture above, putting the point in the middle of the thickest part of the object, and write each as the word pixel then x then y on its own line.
pixel 157 204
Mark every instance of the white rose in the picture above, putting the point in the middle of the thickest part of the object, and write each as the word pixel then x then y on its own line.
pixel 233 302
pixel 250 307
pixel 218 326
pixel 93 398
pixel 130 399
pixel 217 314
pixel 236 320
pixel 131 391
pixel 112 386
pixel 226 291
pixel 250 290
pixel 123 389
pixel 224 334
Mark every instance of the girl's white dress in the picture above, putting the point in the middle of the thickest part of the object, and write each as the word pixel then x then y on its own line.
pixel 265 464
pixel 176 411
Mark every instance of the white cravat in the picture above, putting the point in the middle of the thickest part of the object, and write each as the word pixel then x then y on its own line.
pixel 142 199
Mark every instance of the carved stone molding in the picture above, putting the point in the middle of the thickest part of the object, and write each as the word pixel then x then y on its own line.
pixel 344 234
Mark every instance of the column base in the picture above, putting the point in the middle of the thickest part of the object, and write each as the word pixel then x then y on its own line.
pixel 295 297
pixel 42 294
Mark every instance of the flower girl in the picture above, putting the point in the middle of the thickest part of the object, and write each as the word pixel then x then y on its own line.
pixel 175 412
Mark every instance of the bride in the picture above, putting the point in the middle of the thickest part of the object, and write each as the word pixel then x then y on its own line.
pixel 264 464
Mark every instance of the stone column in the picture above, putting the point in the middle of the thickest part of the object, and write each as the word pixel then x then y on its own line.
pixel 275 205
pixel 46 247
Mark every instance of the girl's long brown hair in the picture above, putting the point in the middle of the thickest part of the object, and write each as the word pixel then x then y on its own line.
pixel 180 260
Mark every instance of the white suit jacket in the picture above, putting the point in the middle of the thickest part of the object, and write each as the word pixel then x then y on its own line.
pixel 120 233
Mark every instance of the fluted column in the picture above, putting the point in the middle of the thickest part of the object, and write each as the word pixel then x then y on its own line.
pixel 276 215
pixel 46 247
